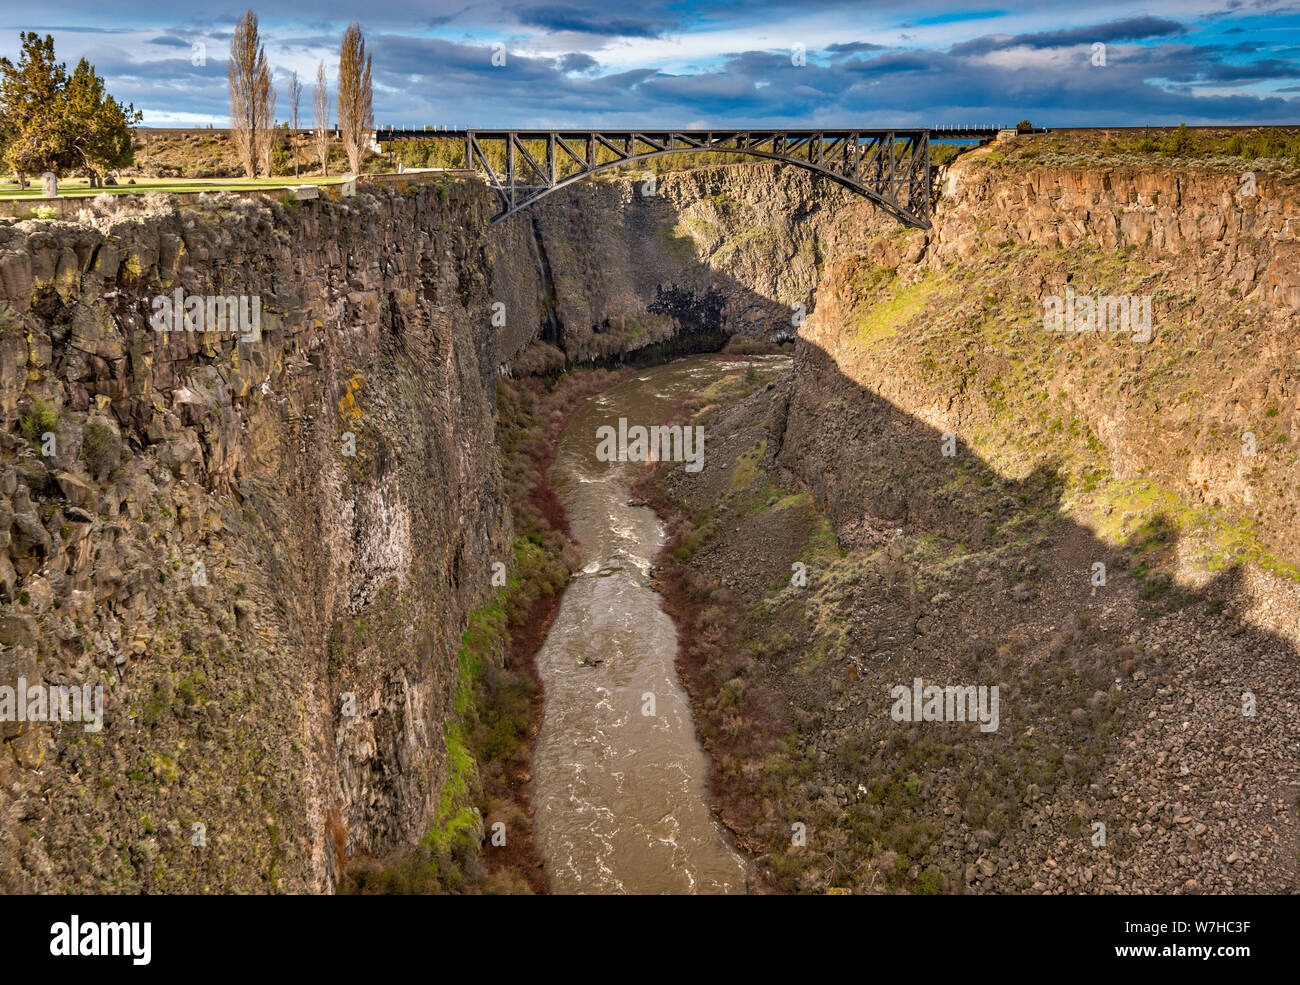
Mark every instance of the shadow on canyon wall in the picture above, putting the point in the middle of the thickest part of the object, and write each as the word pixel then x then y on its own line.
pixel 723 247
pixel 1143 701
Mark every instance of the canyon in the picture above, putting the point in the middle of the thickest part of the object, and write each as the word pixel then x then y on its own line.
pixel 277 554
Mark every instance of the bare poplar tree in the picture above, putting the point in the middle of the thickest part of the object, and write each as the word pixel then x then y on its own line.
pixel 245 55
pixel 356 100
pixel 321 105
pixel 295 95
pixel 265 114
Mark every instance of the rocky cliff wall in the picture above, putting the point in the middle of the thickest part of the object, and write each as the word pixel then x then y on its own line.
pixel 264 551
pixel 276 620
pixel 1198 423
pixel 1076 519
pixel 718 251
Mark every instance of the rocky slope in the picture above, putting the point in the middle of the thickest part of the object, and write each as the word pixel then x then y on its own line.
pixel 1196 423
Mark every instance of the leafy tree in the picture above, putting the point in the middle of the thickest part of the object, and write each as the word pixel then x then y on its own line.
pixel 355 97
pixel 52 122
pixel 252 97
pixel 321 111
pixel 265 137
pixel 99 128
pixel 246 70
pixel 295 96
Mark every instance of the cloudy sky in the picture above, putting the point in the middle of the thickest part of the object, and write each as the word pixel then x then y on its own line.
pixel 608 63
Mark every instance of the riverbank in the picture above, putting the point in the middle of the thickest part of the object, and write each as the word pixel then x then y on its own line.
pixel 531 414
pixel 483 839
pixel 620 776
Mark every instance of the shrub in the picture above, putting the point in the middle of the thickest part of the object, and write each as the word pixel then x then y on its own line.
pixel 414 153
pixel 929 882
pixel 42 417
pixel 100 449
pixel 943 153
pixel 1180 143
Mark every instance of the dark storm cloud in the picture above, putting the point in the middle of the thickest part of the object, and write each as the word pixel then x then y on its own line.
pixel 577 61
pixel 1133 29
pixel 1269 68
pixel 579 21
pixel 853 47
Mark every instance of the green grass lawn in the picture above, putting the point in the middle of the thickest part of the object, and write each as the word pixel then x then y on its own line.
pixel 74 187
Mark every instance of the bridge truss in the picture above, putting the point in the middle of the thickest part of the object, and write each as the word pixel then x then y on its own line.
pixel 890 167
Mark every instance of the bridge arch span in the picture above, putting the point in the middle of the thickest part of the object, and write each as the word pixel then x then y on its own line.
pixel 884 203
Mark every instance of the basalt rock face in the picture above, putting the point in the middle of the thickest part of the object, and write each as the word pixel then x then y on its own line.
pixel 264 551
pixel 706 253
pixel 275 620
pixel 1103 526
pixel 1233 231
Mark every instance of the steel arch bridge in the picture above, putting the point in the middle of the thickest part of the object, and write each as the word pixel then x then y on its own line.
pixel 890 167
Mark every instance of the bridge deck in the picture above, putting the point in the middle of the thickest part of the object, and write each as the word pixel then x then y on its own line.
pixel 936 133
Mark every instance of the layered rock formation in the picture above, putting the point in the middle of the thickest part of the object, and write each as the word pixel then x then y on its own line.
pixel 949 328
pixel 712 252
pixel 263 550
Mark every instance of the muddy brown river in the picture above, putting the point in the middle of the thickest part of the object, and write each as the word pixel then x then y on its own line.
pixel 618 776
